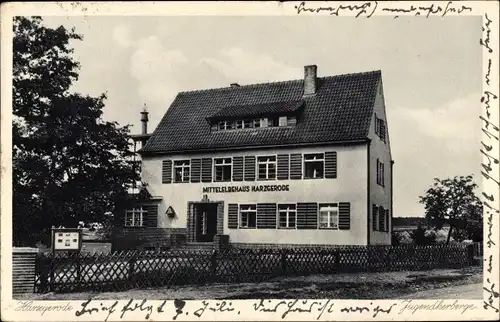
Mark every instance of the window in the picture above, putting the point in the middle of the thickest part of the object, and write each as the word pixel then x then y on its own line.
pixel 225 125
pixel 256 123
pixel 133 217
pixel 223 169
pixel 267 168
pixel 247 124
pixel 329 216
pixel 287 216
pixel 291 120
pixel 314 165
pixel 248 216
pixel 380 128
pixel 181 170
pixel 380 173
pixel 273 122
pixel 239 124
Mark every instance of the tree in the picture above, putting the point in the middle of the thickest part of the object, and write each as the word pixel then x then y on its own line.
pixel 419 237
pixel 69 165
pixel 452 201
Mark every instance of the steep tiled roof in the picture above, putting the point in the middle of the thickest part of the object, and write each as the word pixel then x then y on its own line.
pixel 340 110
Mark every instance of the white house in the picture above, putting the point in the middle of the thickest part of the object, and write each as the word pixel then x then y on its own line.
pixel 294 163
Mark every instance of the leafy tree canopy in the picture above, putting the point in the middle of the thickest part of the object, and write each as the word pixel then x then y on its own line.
pixel 69 165
pixel 452 201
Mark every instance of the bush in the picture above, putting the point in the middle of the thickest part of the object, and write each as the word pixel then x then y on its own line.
pixel 422 238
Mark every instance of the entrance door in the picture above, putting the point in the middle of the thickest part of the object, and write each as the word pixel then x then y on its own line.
pixel 206 222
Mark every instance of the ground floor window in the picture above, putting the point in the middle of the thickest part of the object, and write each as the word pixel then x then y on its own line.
pixel 287 215
pixel 248 216
pixel 134 217
pixel 329 216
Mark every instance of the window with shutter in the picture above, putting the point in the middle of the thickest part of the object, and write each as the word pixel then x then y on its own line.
pixel 328 216
pixel 266 168
pixel 166 171
pixel 206 170
pixel 307 215
pixel 182 169
pixel 223 168
pixel 331 164
pixel 375 217
pixel 195 170
pixel 314 165
pixel 296 166
pixel 344 215
pixel 387 220
pixel 381 218
pixel 237 168
pixel 248 216
pixel 283 166
pixel 287 216
pixel 232 216
pixel 249 169
pixel 266 215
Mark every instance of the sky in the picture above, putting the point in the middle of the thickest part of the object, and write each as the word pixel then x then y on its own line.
pixel 431 71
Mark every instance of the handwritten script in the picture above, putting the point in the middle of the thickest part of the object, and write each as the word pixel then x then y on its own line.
pixel 368 9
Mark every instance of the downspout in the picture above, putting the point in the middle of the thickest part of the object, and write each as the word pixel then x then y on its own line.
pixel 392 201
pixel 368 193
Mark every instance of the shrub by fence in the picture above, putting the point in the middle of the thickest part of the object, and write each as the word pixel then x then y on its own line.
pixel 139 269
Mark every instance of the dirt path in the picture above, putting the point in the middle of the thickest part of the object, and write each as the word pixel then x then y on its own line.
pixel 468 291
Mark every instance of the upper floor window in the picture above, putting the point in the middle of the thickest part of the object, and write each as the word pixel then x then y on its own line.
pixel 380 173
pixel 287 216
pixel 329 216
pixel 266 168
pixel 314 165
pixel 273 122
pixel 380 128
pixel 248 216
pixel 133 217
pixel 181 170
pixel 223 169
pixel 225 125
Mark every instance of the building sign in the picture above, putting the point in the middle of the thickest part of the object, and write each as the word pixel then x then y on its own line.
pixel 258 188
pixel 66 239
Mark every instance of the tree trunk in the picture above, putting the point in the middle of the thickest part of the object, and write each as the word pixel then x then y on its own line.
pixel 449 235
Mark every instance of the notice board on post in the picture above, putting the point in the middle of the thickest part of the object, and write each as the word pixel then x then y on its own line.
pixel 66 239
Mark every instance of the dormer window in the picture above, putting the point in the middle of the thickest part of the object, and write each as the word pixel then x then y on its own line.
pixel 273 122
pixel 225 125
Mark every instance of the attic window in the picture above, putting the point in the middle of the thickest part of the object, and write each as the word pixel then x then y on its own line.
pixel 380 128
pixel 255 123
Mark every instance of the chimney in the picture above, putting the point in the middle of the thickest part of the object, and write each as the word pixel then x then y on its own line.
pixel 144 120
pixel 235 85
pixel 310 78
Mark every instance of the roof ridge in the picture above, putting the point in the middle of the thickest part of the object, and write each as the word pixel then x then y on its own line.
pixel 277 82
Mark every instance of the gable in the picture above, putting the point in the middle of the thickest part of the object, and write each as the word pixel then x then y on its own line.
pixel 340 111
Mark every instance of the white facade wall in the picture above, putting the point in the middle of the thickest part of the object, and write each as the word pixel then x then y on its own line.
pixel 350 186
pixel 381 196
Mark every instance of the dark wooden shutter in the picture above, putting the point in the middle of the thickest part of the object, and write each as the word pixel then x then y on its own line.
pixel 344 215
pixel 195 170
pixel 296 166
pixel 237 168
pixel 206 170
pixel 283 166
pixel 232 216
pixel 387 220
pixel 381 218
pixel 382 130
pixel 374 217
pixel 331 164
pixel 266 215
pixel 150 217
pixel 249 168
pixel 307 216
pixel 166 171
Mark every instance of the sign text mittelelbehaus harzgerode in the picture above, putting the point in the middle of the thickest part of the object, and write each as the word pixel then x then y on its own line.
pixel 259 188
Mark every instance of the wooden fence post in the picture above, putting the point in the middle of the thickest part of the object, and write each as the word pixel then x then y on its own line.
pixel 470 255
pixel 213 265
pixel 283 262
